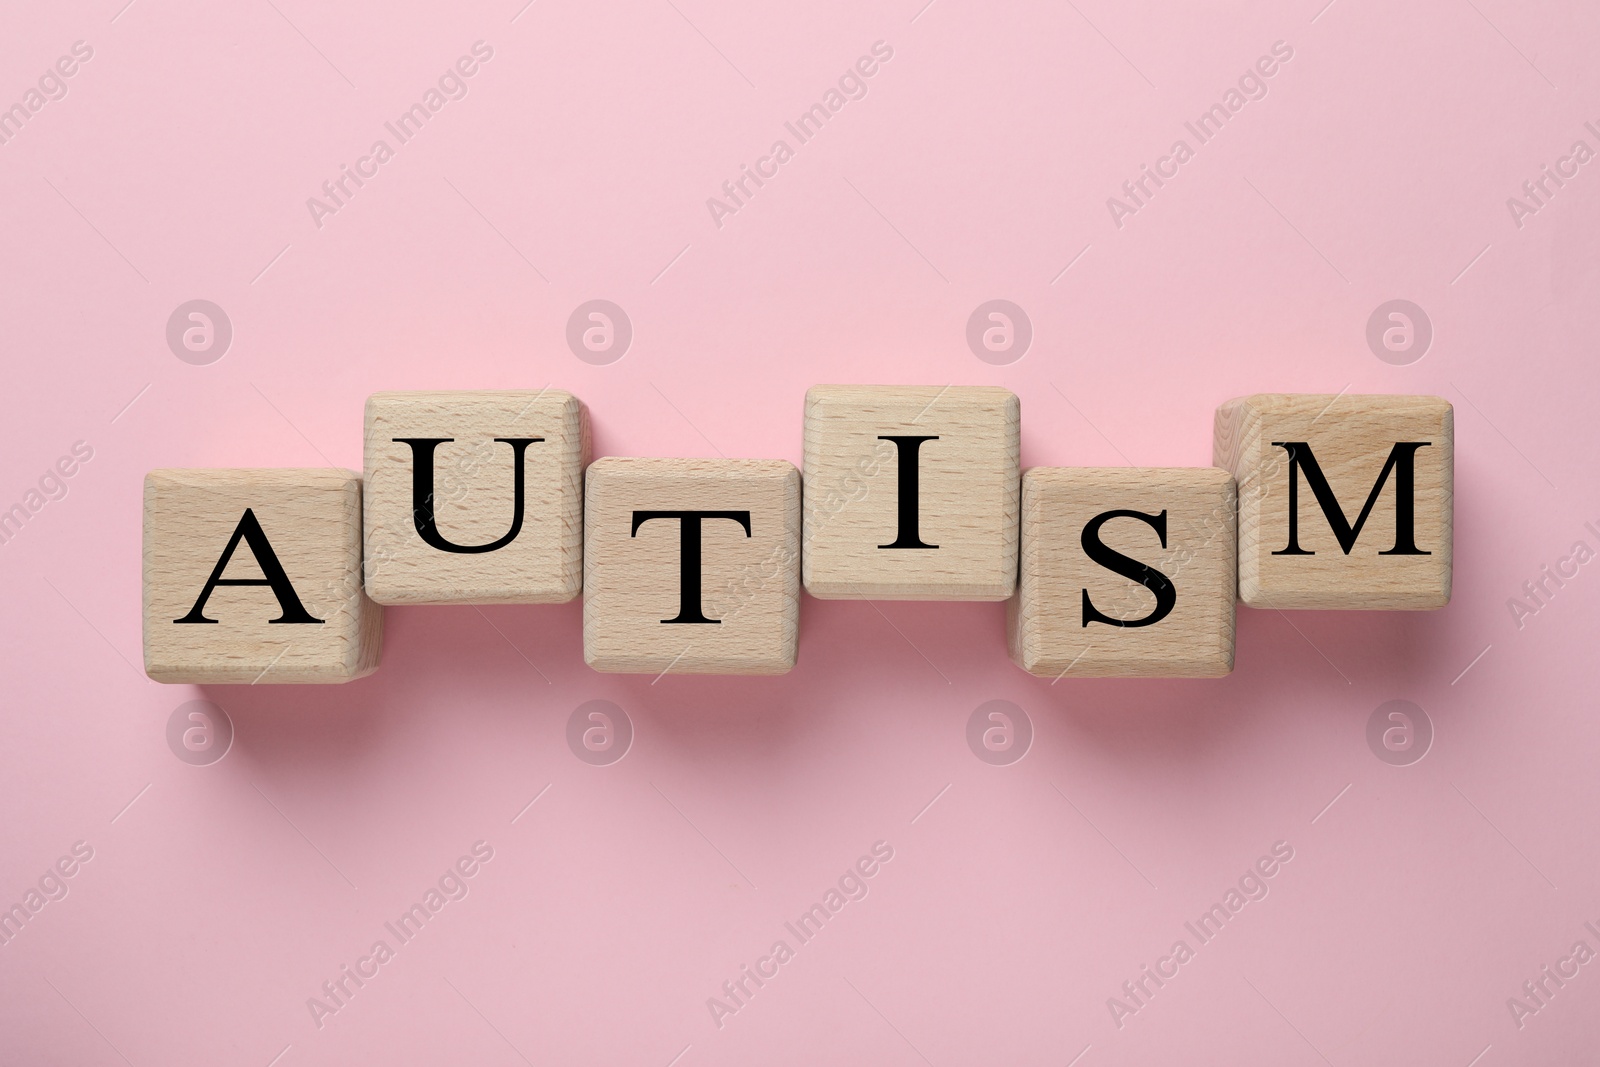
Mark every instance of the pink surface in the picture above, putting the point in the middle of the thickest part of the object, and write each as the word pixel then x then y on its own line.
pixel 1020 897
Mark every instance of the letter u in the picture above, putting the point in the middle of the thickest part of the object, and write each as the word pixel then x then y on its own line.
pixel 422 449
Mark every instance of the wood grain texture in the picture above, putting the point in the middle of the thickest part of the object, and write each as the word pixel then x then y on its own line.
pixel 633 582
pixel 1045 627
pixel 968 492
pixel 474 496
pixel 1351 437
pixel 312 520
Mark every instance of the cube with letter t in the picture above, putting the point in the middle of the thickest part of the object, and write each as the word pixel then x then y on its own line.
pixel 691 566
pixel 911 492
pixel 1344 501
pixel 254 576
pixel 1127 572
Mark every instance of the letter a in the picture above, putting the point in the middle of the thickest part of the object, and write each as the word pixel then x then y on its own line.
pixel 718 1009
pixel 250 530
pixel 1119 1010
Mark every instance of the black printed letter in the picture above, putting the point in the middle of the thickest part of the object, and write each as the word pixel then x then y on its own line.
pixel 1112 560
pixel 1402 460
pixel 689 555
pixel 907 448
pixel 422 491
pixel 250 529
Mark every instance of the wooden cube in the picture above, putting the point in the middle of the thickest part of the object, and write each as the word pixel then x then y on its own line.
pixel 911 492
pixel 254 576
pixel 475 497
pixel 1127 572
pixel 691 566
pixel 1344 501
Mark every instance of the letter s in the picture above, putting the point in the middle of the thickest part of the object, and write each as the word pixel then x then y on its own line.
pixel 1166 593
pixel 483 51
pixel 483 850
pixel 882 50
pixel 82 50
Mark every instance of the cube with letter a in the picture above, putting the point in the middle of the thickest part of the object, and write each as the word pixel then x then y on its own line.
pixel 475 497
pixel 254 576
pixel 911 492
pixel 691 566
pixel 1127 572
pixel 1344 501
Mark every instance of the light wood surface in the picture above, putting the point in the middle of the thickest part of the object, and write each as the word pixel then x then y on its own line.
pixel 311 519
pixel 967 492
pixel 633 580
pixel 1352 438
pixel 1194 638
pixel 473 497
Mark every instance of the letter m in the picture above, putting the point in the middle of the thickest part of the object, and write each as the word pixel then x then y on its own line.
pixel 16 114
pixel 1402 461
pixel 11 521
pixel 11 921
pixel 417 916
pixel 817 916
pixel 818 116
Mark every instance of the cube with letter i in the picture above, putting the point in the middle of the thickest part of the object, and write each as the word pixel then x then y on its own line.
pixel 691 566
pixel 911 492
pixel 254 576
pixel 475 497
pixel 1344 501
pixel 1126 572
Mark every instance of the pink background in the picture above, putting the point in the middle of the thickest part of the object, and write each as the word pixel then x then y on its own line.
pixel 977 167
